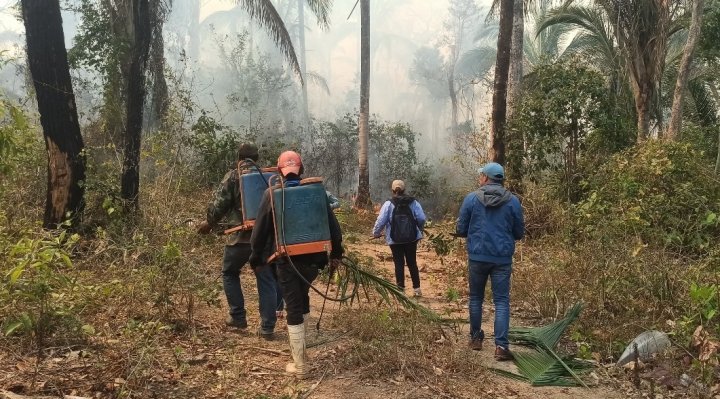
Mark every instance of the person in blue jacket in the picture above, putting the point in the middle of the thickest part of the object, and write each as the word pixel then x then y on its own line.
pixel 408 222
pixel 492 220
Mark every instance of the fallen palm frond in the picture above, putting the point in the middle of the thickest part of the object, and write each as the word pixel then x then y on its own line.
pixel 547 336
pixel 543 366
pixel 543 369
pixel 355 281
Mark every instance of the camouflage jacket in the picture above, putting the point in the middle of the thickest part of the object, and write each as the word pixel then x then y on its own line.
pixel 226 204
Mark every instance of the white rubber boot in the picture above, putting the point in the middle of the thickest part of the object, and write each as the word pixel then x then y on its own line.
pixel 297 349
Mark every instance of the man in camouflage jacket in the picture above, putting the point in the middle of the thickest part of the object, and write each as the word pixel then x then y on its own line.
pixel 227 204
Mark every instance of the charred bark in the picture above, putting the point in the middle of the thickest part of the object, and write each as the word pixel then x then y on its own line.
pixel 142 34
pixel 47 58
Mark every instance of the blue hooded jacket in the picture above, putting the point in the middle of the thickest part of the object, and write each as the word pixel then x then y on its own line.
pixel 492 219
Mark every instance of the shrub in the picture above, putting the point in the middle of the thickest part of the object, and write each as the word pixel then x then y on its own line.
pixel 660 194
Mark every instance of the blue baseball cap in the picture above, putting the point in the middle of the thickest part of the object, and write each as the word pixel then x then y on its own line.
pixel 493 170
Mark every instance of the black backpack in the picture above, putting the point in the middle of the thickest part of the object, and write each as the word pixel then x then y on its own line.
pixel 403 226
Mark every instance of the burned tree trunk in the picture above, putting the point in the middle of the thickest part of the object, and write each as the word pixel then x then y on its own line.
pixel 141 35
pixel 47 58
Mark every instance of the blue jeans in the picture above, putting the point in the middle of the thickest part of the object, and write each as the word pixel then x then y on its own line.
pixel 478 273
pixel 234 259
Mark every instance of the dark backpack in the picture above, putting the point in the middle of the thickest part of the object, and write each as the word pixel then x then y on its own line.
pixel 403 226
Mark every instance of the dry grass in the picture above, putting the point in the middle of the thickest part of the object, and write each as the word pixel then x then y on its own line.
pixel 399 345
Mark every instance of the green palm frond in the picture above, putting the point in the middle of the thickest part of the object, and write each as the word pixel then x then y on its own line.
pixel 595 39
pixel 543 366
pixel 543 369
pixel 321 10
pixel 703 105
pixel 546 336
pixel 356 282
pixel 264 13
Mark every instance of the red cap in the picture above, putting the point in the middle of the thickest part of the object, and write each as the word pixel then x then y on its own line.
pixel 289 162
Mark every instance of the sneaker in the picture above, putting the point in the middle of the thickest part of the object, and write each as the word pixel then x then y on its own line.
pixel 475 344
pixel 502 354
pixel 418 292
pixel 232 322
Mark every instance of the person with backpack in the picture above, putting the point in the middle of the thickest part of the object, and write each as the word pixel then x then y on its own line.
pixel 227 204
pixel 295 272
pixel 491 218
pixel 402 218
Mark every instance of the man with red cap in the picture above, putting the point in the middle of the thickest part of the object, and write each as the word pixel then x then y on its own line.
pixel 297 273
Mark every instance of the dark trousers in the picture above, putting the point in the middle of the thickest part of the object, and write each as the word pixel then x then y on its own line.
pixel 405 253
pixel 234 259
pixel 296 292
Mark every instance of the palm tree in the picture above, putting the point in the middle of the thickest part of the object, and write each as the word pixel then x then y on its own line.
pixel 629 34
pixel 516 56
pixel 682 76
pixel 47 58
pixel 502 67
pixel 363 194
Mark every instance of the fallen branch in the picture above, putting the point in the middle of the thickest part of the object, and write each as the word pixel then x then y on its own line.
pixel 273 351
pixel 314 386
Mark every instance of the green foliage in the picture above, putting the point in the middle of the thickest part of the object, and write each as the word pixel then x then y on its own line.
pixel 16 138
pixel 709 45
pixel 562 106
pixel 216 147
pixel 34 272
pixel 660 193
pixel 102 45
pixel 706 302
pixel 333 145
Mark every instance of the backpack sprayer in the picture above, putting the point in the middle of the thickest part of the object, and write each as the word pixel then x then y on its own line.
pixel 302 226
pixel 252 182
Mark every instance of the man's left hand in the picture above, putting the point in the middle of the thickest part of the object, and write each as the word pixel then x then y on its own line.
pixel 204 228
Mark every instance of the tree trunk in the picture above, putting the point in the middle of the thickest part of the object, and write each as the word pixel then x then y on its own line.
pixel 160 100
pixel 642 107
pixel 47 58
pixel 502 66
pixel 681 83
pixel 363 197
pixel 142 32
pixel 515 140
pixel 454 104
pixel 303 63
pixel 516 58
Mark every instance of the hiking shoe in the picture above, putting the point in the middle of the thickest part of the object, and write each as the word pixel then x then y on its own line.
pixel 232 322
pixel 418 292
pixel 502 354
pixel 267 336
pixel 475 344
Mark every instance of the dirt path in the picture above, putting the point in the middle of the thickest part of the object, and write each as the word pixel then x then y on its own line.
pixel 434 283
pixel 206 360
